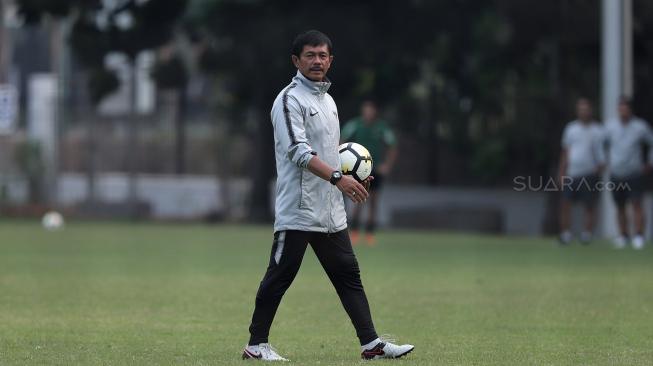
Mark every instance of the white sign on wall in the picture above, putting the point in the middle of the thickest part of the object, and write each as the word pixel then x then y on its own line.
pixel 42 109
pixel 118 103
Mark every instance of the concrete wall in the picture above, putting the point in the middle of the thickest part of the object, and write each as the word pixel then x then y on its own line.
pixel 522 212
pixel 169 197
pixel 193 197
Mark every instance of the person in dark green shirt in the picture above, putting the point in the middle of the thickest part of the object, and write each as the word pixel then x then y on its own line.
pixel 373 133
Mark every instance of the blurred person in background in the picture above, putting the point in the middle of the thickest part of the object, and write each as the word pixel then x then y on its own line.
pixel 373 133
pixel 626 138
pixel 582 161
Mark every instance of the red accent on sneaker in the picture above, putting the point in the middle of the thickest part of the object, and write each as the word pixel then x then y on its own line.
pixel 247 354
pixel 376 351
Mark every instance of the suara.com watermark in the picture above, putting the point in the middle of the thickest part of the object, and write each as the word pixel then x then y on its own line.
pixel 551 184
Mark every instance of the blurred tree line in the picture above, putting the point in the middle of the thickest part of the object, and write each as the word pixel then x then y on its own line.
pixel 478 91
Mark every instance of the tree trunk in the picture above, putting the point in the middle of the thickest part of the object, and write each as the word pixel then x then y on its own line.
pixel 5 47
pixel 91 167
pixel 223 134
pixel 263 171
pixel 180 135
pixel 432 137
pixel 4 70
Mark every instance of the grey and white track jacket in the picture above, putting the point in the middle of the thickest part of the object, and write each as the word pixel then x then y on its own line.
pixel 305 121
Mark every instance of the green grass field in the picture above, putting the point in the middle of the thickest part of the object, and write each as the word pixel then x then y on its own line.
pixel 154 294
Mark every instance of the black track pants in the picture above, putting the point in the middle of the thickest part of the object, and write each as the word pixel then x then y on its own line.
pixel 337 257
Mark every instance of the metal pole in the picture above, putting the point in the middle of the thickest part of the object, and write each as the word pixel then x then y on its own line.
pixel 612 87
pixel 63 71
pixel 616 79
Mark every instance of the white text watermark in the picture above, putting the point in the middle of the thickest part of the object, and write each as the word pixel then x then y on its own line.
pixel 566 183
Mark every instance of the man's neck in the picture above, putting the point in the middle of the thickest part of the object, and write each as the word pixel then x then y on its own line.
pixel 309 79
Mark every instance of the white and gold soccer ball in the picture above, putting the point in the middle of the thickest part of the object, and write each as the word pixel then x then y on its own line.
pixel 355 160
pixel 52 220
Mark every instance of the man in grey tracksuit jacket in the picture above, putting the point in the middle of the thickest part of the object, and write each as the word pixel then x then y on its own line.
pixel 305 120
pixel 309 202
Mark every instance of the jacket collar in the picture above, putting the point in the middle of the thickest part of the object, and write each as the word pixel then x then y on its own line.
pixel 315 87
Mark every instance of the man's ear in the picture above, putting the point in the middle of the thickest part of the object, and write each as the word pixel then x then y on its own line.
pixel 295 61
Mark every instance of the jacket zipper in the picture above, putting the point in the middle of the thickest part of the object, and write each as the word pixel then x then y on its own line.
pixel 301 188
pixel 329 211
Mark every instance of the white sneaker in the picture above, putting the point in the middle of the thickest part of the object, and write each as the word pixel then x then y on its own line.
pixel 565 237
pixel 638 242
pixel 263 351
pixel 385 349
pixel 619 242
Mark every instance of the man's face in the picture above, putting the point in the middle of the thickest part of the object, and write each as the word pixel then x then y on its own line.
pixel 584 111
pixel 368 111
pixel 313 62
pixel 624 111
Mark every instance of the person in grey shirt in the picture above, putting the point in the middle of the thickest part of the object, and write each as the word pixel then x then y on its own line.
pixel 582 160
pixel 626 137
pixel 309 204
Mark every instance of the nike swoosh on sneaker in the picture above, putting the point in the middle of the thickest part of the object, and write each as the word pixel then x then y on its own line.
pixel 376 351
pixel 247 354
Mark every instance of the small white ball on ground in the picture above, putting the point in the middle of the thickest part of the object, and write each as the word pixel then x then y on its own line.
pixel 52 220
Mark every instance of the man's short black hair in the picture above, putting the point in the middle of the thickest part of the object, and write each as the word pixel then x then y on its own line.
pixel 625 99
pixel 585 100
pixel 312 38
pixel 370 101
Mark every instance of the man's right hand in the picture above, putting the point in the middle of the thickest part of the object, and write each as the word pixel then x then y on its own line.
pixel 367 183
pixel 352 189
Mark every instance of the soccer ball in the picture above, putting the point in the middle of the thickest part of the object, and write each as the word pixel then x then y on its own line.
pixel 355 160
pixel 52 220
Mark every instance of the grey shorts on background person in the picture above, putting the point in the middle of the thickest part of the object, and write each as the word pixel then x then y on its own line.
pixel 626 189
pixel 582 189
pixel 377 182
